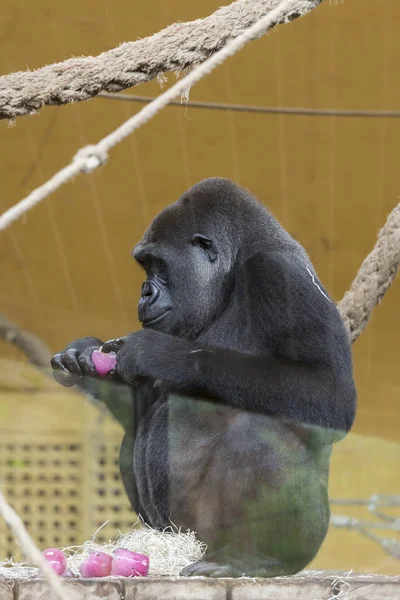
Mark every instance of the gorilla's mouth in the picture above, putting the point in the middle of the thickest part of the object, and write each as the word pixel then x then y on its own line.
pixel 148 322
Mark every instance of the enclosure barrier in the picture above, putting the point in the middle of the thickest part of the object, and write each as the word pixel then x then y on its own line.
pixel 324 586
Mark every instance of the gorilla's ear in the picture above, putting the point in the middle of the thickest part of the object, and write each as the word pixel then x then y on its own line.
pixel 205 244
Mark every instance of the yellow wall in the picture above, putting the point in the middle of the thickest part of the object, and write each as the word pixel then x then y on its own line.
pixel 66 269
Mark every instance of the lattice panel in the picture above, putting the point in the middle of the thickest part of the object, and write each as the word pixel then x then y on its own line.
pixel 63 487
pixel 42 481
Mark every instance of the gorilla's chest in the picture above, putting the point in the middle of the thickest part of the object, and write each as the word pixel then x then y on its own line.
pixel 237 334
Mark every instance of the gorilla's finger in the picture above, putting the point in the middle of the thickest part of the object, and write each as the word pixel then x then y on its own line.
pixel 61 374
pixel 70 361
pixel 113 345
pixel 200 568
pixel 56 361
pixel 115 376
pixel 85 362
pixel 64 378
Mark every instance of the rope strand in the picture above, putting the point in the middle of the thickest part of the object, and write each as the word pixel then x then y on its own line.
pixel 89 158
pixel 175 49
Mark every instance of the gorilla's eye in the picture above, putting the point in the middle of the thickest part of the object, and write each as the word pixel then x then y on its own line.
pixel 205 244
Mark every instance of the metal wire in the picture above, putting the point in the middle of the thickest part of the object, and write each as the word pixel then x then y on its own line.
pixel 248 108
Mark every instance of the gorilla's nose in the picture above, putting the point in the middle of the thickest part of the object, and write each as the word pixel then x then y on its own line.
pixel 150 292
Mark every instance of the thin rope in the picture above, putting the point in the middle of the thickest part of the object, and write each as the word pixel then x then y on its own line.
pixel 275 110
pixel 89 158
pixel 33 553
pixel 175 49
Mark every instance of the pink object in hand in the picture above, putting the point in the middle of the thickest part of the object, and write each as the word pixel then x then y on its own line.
pixel 103 362
pixel 97 564
pixel 56 559
pixel 129 564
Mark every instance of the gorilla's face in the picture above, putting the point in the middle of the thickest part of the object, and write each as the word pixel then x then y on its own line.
pixel 187 275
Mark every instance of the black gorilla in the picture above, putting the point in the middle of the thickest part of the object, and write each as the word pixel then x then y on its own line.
pixel 242 379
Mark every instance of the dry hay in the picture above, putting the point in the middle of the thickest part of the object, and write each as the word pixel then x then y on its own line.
pixel 170 551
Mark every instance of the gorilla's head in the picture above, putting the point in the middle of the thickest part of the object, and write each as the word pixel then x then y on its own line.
pixel 191 252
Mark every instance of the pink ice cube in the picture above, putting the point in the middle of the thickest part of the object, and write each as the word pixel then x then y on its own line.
pixel 104 362
pixel 129 564
pixel 56 559
pixel 97 564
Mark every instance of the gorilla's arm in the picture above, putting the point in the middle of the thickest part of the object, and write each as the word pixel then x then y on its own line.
pixel 278 387
pixel 304 373
pixel 304 393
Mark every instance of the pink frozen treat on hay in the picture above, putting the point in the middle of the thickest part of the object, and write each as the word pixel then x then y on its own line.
pixel 97 564
pixel 56 559
pixel 129 564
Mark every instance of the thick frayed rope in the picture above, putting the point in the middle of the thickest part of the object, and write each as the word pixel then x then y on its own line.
pixel 374 277
pixel 176 48
pixel 89 158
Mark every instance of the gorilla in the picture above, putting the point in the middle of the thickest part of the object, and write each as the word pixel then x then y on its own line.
pixel 235 389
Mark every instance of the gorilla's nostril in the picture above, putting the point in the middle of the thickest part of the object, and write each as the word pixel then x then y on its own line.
pixel 147 289
pixel 150 292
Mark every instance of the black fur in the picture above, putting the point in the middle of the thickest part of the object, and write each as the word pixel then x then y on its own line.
pixel 242 380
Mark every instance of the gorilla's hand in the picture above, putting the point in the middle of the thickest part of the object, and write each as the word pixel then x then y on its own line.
pixel 154 355
pixel 75 361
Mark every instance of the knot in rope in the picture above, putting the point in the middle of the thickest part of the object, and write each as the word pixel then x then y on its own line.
pixel 91 157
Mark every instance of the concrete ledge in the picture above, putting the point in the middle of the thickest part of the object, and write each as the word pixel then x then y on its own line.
pixel 309 588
